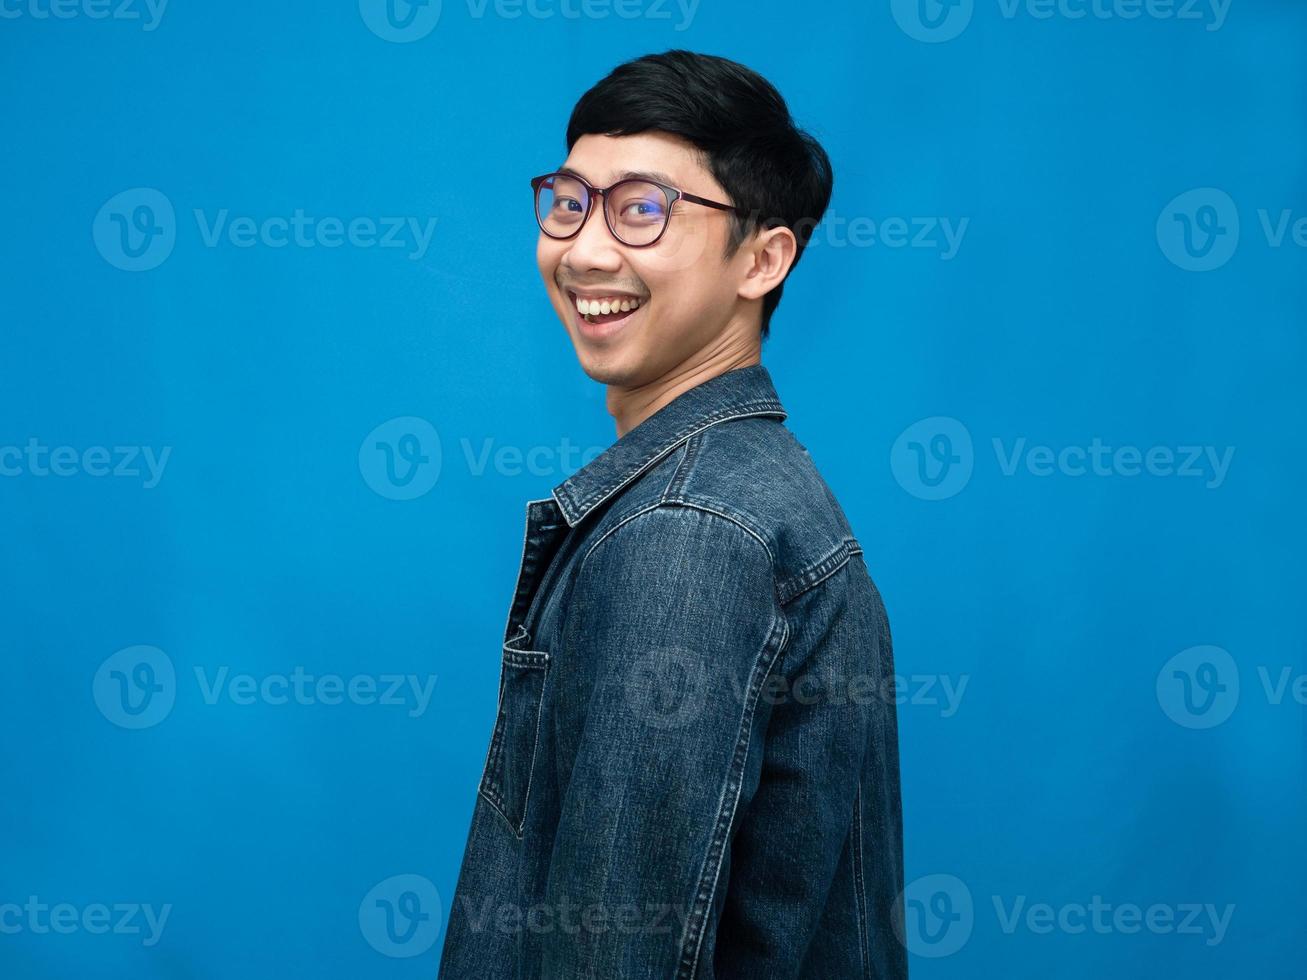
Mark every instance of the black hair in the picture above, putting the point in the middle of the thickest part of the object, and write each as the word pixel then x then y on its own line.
pixel 776 174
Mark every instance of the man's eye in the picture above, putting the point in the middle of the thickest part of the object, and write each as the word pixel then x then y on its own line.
pixel 644 209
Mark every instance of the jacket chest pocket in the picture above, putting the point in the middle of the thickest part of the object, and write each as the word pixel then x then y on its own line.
pixel 511 759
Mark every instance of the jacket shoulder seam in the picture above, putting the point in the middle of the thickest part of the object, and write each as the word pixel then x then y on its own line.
pixel 819 571
pixel 669 505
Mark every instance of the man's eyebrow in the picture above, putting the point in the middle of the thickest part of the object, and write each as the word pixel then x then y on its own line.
pixel 657 176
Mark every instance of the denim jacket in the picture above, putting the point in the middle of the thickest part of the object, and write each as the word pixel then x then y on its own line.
pixel 693 771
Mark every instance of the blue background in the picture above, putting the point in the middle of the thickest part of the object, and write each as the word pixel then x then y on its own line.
pixel 1072 766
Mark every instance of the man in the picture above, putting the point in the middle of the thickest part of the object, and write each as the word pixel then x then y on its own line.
pixel 693 771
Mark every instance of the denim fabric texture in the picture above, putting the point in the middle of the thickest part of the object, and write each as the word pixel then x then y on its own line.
pixel 693 771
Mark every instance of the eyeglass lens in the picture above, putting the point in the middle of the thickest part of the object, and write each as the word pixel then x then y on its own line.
pixel 636 209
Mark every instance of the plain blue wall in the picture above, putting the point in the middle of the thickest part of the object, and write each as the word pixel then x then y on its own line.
pixel 1076 762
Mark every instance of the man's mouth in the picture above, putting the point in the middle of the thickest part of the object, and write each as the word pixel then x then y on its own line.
pixel 601 311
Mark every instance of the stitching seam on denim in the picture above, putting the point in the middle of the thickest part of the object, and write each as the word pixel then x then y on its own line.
pixel 765 407
pixel 490 793
pixel 526 534
pixel 496 733
pixel 535 749
pixel 692 939
pixel 689 453
pixel 859 898
pixel 698 425
pixel 671 505
pixel 796 585
pixel 733 519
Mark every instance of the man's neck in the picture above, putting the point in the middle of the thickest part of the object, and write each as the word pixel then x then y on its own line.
pixel 631 406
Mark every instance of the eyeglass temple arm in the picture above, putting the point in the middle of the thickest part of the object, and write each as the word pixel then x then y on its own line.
pixel 703 200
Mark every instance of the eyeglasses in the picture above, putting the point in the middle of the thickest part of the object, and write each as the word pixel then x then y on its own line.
pixel 636 210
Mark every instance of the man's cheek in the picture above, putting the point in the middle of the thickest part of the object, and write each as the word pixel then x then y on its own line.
pixel 547 260
pixel 680 252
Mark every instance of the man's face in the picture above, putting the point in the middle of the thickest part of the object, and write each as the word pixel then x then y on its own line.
pixel 687 293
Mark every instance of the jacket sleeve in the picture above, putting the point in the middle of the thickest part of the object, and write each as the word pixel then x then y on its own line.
pixel 671 631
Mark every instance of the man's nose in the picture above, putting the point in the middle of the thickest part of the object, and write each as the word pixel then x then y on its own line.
pixel 594 246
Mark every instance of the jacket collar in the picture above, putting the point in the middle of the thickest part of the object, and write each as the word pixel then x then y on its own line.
pixel 737 394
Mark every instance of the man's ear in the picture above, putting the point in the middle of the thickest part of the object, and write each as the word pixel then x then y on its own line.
pixel 771 254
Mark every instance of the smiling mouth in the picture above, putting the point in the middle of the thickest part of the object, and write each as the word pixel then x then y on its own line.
pixel 602 311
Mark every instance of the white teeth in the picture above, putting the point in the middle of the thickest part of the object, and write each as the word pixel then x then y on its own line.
pixel 611 305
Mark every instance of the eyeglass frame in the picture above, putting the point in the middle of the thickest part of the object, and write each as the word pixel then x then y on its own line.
pixel 673 194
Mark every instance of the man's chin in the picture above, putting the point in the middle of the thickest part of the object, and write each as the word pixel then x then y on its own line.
pixel 606 370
